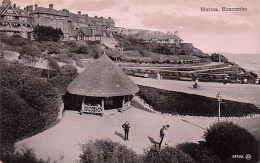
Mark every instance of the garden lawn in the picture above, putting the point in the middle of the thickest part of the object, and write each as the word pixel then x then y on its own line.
pixel 64 139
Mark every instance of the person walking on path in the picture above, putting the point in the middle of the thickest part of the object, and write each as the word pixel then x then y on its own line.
pixel 158 76
pixel 126 127
pixel 161 136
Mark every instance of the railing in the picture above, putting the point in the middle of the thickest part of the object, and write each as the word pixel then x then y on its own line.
pixel 92 109
pixel 126 106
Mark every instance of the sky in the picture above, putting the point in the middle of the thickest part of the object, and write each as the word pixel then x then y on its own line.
pixel 232 32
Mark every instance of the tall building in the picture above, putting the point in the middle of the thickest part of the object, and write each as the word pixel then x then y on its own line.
pixel 49 17
pixel 14 20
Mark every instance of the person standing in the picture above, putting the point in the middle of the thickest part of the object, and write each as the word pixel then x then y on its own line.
pixel 126 127
pixel 161 136
pixel 158 76
pixel 166 136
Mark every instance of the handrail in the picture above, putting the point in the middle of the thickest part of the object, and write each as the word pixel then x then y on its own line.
pixel 92 109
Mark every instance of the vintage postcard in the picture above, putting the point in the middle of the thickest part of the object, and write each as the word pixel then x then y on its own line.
pixel 145 81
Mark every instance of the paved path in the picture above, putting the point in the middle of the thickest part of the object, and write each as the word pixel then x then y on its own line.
pixel 236 92
pixel 74 129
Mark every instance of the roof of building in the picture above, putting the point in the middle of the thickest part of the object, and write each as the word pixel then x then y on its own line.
pixel 88 31
pixel 159 37
pixel 102 78
pixel 18 11
pixel 49 11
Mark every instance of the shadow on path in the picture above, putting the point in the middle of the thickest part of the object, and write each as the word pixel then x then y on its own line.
pixel 193 124
pixel 120 135
pixel 153 141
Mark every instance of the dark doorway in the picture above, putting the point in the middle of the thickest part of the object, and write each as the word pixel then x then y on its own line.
pixel 72 102
pixel 113 102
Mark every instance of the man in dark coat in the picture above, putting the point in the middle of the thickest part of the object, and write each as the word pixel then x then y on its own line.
pixel 161 135
pixel 126 127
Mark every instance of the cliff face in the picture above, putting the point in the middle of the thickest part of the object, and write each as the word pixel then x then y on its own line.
pixel 189 49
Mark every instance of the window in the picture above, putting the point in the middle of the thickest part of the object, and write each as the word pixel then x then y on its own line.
pixel 10 11
pixel 23 19
pixel 8 17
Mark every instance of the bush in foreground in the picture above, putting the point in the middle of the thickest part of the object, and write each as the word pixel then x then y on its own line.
pixel 199 152
pixel 227 139
pixel 167 154
pixel 107 151
pixel 26 156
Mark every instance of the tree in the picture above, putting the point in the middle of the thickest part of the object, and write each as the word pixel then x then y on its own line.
pixel 30 51
pixel 43 33
pixel 227 139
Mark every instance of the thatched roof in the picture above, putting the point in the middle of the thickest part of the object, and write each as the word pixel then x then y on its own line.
pixel 102 78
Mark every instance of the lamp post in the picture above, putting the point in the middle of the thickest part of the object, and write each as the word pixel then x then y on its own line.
pixel 219 98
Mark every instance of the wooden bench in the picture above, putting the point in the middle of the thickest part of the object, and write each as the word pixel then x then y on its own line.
pixel 141 75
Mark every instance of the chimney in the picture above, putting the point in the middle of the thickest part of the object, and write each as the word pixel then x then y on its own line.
pixel 79 13
pixel 50 6
pixel 109 18
pixel 36 6
pixel 14 5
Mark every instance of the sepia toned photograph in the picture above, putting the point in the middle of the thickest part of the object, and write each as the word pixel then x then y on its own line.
pixel 129 81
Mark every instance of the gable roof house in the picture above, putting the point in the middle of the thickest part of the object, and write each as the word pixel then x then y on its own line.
pixel 104 36
pixel 14 20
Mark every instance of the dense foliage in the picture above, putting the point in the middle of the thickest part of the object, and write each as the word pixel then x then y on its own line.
pixel 167 154
pixel 63 78
pixel 29 102
pixel 107 151
pixel 180 103
pixel 199 152
pixel 227 139
pixel 26 156
pixel 30 50
pixel 133 43
pixel 44 33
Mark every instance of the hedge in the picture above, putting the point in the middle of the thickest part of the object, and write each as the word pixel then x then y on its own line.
pixel 189 104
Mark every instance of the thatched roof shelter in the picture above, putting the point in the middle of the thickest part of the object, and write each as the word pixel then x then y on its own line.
pixel 102 78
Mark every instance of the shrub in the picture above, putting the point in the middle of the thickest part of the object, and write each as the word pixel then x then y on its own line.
pixel 107 151
pixel 14 40
pixel 167 154
pixel 227 139
pixel 30 50
pixel 44 33
pixel 52 63
pixel 40 95
pixel 53 50
pixel 63 78
pixel 26 156
pixel 199 152
pixel 28 102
